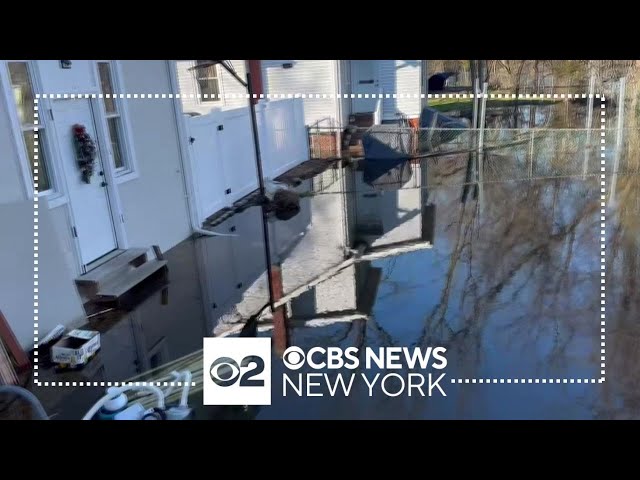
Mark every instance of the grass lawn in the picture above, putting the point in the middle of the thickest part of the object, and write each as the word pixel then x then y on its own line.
pixel 449 104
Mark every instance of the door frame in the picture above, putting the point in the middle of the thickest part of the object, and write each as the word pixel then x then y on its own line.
pixel 103 165
pixel 102 137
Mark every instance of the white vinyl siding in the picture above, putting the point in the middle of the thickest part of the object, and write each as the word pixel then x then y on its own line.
pixel 400 76
pixel 308 77
pixel 228 86
pixel 345 82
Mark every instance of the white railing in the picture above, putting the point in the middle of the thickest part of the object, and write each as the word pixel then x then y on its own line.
pixel 222 152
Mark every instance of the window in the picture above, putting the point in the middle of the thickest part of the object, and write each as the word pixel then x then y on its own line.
pixel 114 118
pixel 22 88
pixel 208 83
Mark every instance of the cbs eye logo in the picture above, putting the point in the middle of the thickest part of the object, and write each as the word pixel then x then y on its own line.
pixel 293 358
pixel 231 365
pixel 226 372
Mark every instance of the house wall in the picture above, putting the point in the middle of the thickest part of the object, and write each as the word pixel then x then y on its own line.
pixel 400 76
pixel 154 204
pixel 228 85
pixel 308 77
pixel 11 182
pixel 345 82
pixel 59 302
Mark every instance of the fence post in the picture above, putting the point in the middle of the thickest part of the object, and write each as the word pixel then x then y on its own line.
pixel 531 146
pixel 585 166
pixel 432 128
pixel 483 113
pixel 264 139
pixel 305 150
pixel 476 91
pixel 619 138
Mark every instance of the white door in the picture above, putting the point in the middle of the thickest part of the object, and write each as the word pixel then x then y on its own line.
pixel 89 201
pixel 364 79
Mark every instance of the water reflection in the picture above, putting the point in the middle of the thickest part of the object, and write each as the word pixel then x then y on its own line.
pixel 495 256
pixel 511 290
pixel 527 113
pixel 510 285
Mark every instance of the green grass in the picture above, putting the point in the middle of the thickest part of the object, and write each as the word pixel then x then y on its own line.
pixel 450 104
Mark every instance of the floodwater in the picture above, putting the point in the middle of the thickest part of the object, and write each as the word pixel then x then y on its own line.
pixel 506 273
pixel 524 113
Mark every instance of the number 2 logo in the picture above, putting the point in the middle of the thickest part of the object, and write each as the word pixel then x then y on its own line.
pixel 225 371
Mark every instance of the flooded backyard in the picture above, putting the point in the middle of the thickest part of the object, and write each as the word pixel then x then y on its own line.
pixel 494 255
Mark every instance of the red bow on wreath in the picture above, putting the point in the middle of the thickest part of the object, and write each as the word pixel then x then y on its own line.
pixel 85 151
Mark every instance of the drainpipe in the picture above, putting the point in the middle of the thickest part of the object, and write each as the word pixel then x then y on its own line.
pixel 187 174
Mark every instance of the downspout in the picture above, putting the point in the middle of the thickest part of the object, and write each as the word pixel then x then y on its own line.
pixel 187 174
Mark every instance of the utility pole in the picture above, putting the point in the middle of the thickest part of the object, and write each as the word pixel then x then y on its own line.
pixel 256 144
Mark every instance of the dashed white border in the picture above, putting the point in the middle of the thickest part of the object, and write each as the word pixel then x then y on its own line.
pixel 321 95
pixel 603 337
pixel 39 383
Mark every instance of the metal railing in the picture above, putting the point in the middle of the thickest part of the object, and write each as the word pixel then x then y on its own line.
pixel 519 154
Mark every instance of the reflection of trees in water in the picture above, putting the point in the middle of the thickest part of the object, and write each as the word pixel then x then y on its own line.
pixel 621 391
pixel 395 286
pixel 522 243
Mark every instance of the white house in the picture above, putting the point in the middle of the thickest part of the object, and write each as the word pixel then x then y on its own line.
pixel 333 77
pixel 213 87
pixel 136 196
pixel 154 174
pixel 157 173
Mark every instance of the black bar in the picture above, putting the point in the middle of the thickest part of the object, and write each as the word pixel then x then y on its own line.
pixel 235 75
pixel 265 227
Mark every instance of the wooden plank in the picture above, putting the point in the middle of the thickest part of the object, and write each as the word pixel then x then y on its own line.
pixel 117 287
pixel 105 258
pixel 157 252
pixel 112 267
pixel 9 339
pixel 7 373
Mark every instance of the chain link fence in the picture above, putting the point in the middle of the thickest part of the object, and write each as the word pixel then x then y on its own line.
pixel 453 157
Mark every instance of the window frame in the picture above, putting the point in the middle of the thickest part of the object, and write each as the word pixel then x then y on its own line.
pixel 208 101
pixel 55 194
pixel 129 170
